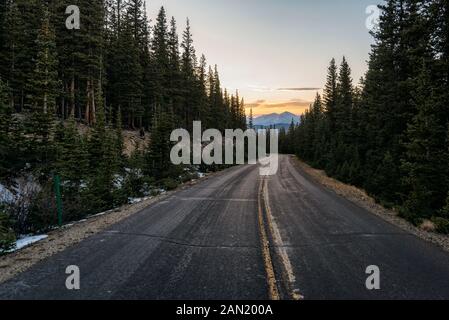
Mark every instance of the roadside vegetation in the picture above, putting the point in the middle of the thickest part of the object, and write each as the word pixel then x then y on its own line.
pixel 112 74
pixel 390 133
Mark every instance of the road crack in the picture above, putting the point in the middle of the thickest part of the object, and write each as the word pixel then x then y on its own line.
pixel 178 242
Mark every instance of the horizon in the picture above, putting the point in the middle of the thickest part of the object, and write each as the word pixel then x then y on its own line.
pixel 297 62
pixel 276 113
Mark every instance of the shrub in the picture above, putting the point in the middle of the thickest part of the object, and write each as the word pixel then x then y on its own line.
pixel 42 211
pixel 445 210
pixel 169 184
pixel 7 236
pixel 441 224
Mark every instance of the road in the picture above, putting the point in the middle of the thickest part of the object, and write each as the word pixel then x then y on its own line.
pixel 239 236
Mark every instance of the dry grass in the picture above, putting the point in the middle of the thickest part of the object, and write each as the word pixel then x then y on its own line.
pixel 428 226
pixel 132 142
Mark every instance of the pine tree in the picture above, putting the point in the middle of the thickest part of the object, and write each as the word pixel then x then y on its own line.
pixel 45 84
pixel 158 163
pixel 330 93
pixel 388 134
pixel 6 152
pixel 426 159
pixel 23 22
pixel 242 113
pixel 119 139
pixel 108 69
pixel 188 61
pixel 137 25
pixel 127 75
pixel 439 17
pixel 201 89
pixel 136 17
pixel 69 51
pixel 383 111
pixel 160 63
pixel 91 56
pixel 103 162
pixel 7 236
pixel 216 100
pixel 72 163
pixel 175 87
pixel 4 9
pixel 345 92
pixel 251 119
pixel 147 79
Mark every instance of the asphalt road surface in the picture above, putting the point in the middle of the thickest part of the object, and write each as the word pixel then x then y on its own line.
pixel 239 236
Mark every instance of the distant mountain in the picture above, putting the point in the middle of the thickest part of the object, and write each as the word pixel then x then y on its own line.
pixel 275 119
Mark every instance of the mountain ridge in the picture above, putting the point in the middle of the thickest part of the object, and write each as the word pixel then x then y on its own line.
pixel 272 119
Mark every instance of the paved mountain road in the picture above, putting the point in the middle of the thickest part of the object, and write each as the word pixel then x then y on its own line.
pixel 205 243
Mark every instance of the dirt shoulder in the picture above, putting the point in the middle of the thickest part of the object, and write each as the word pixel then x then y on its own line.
pixel 362 199
pixel 61 239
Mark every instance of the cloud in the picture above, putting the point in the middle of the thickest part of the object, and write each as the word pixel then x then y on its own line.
pixel 293 103
pixel 298 103
pixel 298 89
pixel 267 89
pixel 299 100
pixel 255 104
pixel 260 89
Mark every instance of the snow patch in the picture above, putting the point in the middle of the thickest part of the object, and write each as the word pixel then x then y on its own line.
pixel 118 181
pixel 26 241
pixel 201 175
pixel 137 200
pixel 6 196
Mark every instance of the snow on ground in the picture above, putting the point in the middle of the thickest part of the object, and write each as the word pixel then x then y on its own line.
pixel 24 187
pixel 25 241
pixel 118 181
pixel 137 200
pixel 6 196
pixel 20 191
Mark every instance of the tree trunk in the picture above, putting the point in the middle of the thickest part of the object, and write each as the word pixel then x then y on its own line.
pixel 87 111
pixel 72 97
pixel 62 106
pixel 45 103
pixel 93 109
pixel 22 101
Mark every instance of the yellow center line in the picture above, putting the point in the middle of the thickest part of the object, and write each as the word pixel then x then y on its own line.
pixel 281 252
pixel 269 269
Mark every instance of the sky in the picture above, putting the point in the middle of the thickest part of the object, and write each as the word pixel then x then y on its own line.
pixel 275 52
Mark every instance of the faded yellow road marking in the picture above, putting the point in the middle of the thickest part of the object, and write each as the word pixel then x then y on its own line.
pixel 280 247
pixel 269 269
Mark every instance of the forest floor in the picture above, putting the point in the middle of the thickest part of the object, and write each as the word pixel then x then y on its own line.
pixel 362 199
pixel 131 139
